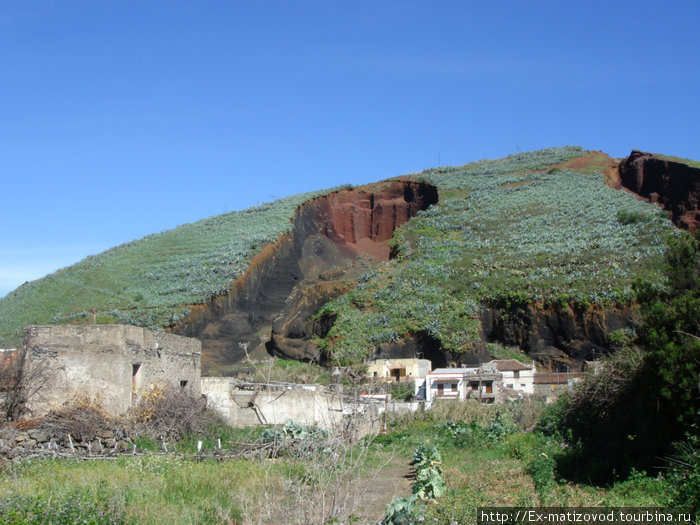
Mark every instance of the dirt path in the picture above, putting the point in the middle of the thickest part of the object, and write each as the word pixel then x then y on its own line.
pixel 394 479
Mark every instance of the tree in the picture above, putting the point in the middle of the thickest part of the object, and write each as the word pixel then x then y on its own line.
pixel 671 328
pixel 19 382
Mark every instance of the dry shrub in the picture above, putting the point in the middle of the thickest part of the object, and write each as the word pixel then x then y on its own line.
pixel 326 479
pixel 164 411
pixel 83 418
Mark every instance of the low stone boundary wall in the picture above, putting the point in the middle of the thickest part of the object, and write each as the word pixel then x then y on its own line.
pixel 18 443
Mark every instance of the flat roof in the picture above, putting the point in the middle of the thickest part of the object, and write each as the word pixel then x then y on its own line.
pixel 510 365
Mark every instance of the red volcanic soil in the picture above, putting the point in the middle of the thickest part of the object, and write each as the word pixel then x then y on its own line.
pixel 363 220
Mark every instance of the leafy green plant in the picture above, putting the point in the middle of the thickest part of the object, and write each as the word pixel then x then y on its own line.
pixel 74 508
pixel 402 511
pixel 684 473
pixel 429 483
pixel 541 468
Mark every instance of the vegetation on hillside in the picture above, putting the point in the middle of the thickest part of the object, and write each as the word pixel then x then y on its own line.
pixel 691 163
pixel 151 281
pixel 509 231
pixel 642 403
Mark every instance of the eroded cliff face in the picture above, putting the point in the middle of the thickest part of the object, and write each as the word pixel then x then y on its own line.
pixel 272 306
pixel 556 335
pixel 673 185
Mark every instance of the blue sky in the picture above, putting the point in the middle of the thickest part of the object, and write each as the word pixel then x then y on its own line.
pixel 121 118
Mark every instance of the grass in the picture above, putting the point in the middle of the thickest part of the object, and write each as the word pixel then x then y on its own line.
pixel 490 457
pixel 485 467
pixel 153 489
pixel 282 370
pixel 500 352
pixel 688 162
pixel 512 232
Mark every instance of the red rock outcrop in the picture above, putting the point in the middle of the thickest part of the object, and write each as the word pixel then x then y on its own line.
pixel 272 305
pixel 673 185
pixel 363 220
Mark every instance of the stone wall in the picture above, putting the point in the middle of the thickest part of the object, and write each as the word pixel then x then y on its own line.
pixel 109 362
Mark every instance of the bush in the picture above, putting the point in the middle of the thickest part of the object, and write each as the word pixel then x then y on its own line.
pixel 73 508
pixel 170 412
pixel 541 468
pixel 684 473
pixel 429 483
pixel 633 217
pixel 402 511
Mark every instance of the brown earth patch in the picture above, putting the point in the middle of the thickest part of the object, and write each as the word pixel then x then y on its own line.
pixel 395 479
pixel 516 184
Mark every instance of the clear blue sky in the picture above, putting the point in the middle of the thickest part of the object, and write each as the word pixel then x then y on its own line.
pixel 121 118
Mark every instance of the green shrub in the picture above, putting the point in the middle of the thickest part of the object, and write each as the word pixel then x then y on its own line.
pixel 622 337
pixel 74 508
pixel 429 483
pixel 552 421
pixel 633 217
pixel 522 445
pixel 684 473
pixel 541 468
pixel 402 511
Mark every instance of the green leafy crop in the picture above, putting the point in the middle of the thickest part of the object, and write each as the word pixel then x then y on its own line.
pixel 512 232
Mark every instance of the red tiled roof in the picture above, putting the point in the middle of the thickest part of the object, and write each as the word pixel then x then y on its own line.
pixel 555 378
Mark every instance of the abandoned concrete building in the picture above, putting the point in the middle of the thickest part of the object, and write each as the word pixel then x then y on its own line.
pixel 108 362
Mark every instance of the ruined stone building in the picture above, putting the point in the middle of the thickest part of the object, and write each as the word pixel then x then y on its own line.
pixel 107 362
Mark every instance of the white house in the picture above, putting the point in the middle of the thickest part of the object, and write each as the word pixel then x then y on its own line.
pixel 516 375
pixel 459 383
pixel 446 383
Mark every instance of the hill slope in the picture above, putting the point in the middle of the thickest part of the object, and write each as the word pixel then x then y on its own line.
pixel 533 249
pixel 523 235
pixel 151 281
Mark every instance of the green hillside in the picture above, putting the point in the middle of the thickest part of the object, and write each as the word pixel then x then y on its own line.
pixel 149 282
pixel 510 231
pixel 515 230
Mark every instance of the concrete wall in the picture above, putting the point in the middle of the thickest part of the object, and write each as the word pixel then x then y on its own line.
pixel 241 407
pixel 109 362
pixel 245 405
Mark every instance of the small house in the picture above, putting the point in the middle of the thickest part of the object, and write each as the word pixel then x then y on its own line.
pixel 398 370
pixel 516 375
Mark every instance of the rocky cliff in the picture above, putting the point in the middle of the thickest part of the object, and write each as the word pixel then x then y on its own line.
pixel 273 304
pixel 557 335
pixel 673 185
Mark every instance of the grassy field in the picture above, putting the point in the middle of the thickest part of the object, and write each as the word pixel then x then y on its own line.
pixel 511 231
pixel 691 163
pixel 490 457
